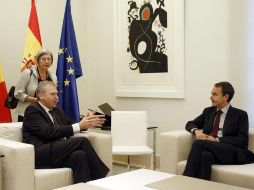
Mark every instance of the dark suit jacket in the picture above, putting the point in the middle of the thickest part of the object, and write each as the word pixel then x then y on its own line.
pixel 38 128
pixel 235 129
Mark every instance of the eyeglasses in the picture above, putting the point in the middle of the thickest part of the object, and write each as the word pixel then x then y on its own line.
pixel 46 59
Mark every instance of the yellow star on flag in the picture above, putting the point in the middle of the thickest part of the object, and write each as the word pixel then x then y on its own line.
pixel 70 71
pixel 66 82
pixel 69 59
pixel 60 51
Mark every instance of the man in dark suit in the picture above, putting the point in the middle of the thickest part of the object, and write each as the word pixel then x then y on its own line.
pixel 221 133
pixel 49 130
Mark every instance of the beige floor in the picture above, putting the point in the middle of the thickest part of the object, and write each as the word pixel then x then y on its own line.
pixel 118 169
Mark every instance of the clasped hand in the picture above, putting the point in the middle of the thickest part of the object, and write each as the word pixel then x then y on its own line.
pixel 91 120
pixel 201 136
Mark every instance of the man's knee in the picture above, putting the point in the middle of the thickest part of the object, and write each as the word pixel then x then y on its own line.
pixel 197 144
pixel 82 139
pixel 207 156
pixel 79 139
pixel 202 143
pixel 78 155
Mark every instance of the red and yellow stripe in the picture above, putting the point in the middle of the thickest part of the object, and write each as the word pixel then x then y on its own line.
pixel 33 39
pixel 5 114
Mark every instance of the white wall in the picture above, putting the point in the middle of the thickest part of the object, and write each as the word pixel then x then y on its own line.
pixel 215 50
pixel 216 36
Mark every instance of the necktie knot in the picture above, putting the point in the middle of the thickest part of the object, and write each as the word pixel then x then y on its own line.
pixel 219 112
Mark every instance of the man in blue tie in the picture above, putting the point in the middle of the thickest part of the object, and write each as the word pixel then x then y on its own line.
pixel 221 133
pixel 49 130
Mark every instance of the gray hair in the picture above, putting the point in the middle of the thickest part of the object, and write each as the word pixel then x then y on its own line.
pixel 41 87
pixel 43 52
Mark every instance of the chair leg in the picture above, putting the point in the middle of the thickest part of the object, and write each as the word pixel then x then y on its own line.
pixel 151 161
pixel 147 161
pixel 128 162
pixel 152 168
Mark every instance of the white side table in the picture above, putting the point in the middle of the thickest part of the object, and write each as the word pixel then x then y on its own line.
pixel 133 180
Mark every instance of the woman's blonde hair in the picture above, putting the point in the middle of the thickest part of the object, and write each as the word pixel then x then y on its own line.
pixel 41 53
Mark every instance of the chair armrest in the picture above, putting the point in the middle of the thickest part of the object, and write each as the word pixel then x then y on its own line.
pixel 17 165
pixel 102 143
pixel 174 147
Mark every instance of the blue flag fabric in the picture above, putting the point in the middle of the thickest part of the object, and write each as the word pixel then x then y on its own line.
pixel 68 67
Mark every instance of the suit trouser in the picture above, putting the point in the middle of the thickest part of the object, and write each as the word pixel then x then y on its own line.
pixel 78 154
pixel 204 153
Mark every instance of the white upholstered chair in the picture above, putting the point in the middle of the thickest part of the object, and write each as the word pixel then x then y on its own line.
pixel 18 172
pixel 175 147
pixel 129 134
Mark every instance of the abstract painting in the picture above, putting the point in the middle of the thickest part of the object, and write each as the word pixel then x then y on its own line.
pixel 149 48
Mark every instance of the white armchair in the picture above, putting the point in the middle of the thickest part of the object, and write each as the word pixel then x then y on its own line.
pixel 174 150
pixel 18 172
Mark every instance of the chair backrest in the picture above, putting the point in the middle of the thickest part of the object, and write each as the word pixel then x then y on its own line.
pixel 129 128
pixel 11 131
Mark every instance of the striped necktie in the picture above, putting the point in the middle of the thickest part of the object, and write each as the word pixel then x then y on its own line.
pixel 56 123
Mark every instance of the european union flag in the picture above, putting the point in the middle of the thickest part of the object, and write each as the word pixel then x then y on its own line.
pixel 68 67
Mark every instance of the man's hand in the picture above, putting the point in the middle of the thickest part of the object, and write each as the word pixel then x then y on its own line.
pixel 209 138
pixel 91 120
pixel 31 99
pixel 201 136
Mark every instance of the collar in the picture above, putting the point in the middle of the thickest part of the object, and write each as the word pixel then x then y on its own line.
pixel 44 107
pixel 225 109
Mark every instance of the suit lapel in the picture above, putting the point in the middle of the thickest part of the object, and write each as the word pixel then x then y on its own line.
pixel 45 114
pixel 211 120
pixel 228 120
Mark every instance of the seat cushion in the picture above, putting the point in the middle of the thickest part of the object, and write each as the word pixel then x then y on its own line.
pixel 180 167
pixel 47 179
pixel 131 150
pixel 239 175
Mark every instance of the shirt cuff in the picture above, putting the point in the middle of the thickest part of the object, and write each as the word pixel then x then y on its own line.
pixel 76 128
pixel 192 130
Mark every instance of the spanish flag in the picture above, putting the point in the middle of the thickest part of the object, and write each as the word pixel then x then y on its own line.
pixel 5 114
pixel 33 39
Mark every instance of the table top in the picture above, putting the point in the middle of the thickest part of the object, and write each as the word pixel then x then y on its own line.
pixel 180 182
pixel 81 186
pixel 134 180
pixel 144 179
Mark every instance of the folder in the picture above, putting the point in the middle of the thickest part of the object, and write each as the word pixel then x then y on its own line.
pixel 106 110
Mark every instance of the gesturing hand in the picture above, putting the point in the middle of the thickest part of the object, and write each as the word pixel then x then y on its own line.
pixel 91 120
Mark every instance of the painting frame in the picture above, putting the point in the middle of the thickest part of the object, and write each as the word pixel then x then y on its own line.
pixel 158 87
